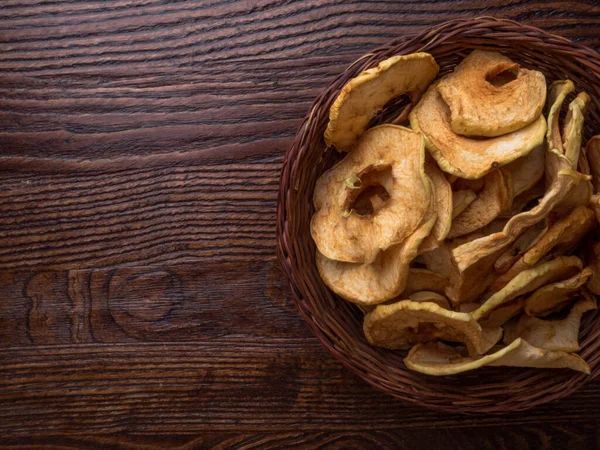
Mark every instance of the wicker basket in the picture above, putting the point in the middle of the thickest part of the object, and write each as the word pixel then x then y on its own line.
pixel 337 323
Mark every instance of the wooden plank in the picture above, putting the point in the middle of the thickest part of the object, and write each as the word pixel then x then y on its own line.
pixel 190 349
pixel 232 383
pixel 534 437
pixel 212 212
pixel 105 80
pixel 192 303
pixel 155 32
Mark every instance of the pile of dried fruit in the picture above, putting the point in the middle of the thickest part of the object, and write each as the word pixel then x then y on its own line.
pixel 464 229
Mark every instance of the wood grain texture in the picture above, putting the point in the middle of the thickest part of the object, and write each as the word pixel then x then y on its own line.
pixel 133 305
pixel 140 146
pixel 83 79
pixel 140 216
pixel 533 437
pixel 238 383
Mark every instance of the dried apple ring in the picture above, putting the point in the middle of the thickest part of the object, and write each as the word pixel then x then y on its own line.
pixel 388 163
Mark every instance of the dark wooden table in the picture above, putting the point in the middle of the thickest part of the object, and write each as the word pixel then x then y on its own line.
pixel 141 304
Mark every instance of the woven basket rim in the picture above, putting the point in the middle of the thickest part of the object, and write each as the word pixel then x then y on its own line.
pixel 318 311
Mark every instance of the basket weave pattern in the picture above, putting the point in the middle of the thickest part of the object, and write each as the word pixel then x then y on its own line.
pixel 337 323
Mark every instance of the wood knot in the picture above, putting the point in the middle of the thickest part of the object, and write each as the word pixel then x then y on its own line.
pixel 135 296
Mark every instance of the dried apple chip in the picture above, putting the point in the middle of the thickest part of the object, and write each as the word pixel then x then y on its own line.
pixel 526 171
pixel 579 194
pixel 420 282
pixel 553 297
pixel 424 280
pixel 523 243
pixel 495 226
pixel 464 286
pixel 503 313
pixel 494 198
pixel 557 94
pixel 436 358
pixel 468 157
pixel 563 191
pixel 365 95
pixel 468 307
pixel 472 185
pixel 500 315
pixel 405 323
pixel 561 237
pixel 562 335
pixel 466 282
pixel 573 129
pixel 442 191
pixel 377 282
pixel 461 200
pixel 583 165
pixel 490 95
pixel 387 156
pixel 529 280
pixel 593 155
pixel 523 200
pixel 567 189
pixel 467 285
pixel 568 144
pixel 430 297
